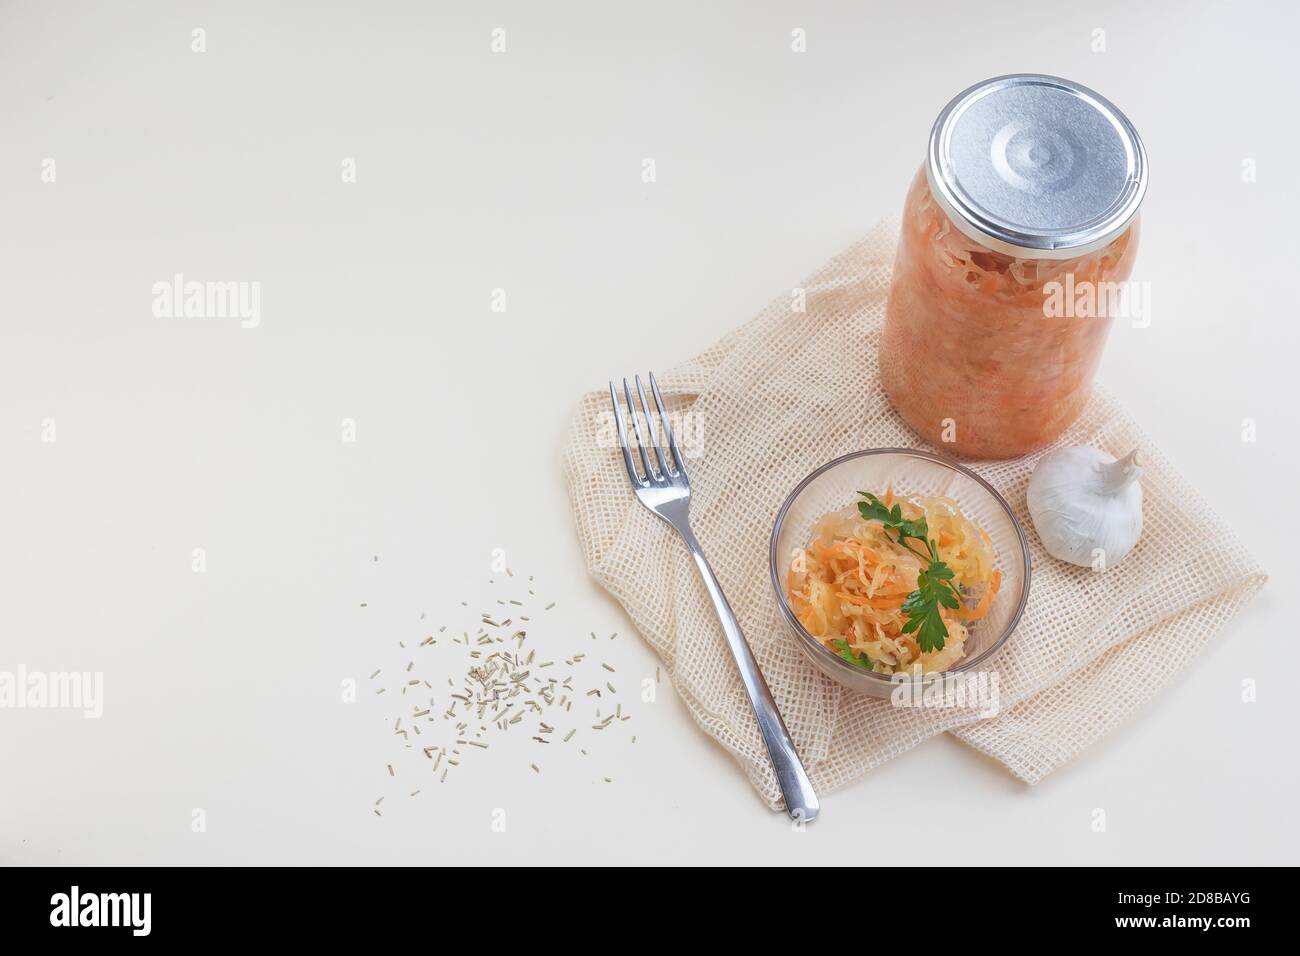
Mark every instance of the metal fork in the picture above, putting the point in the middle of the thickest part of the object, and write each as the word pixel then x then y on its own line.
pixel 666 491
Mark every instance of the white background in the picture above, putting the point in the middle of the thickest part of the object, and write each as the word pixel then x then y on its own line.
pixel 522 171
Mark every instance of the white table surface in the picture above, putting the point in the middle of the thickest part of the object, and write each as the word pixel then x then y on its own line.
pixel 522 171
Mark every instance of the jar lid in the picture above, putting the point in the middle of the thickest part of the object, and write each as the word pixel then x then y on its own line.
pixel 1036 166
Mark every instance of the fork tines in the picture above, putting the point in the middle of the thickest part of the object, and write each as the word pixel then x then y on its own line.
pixel 662 470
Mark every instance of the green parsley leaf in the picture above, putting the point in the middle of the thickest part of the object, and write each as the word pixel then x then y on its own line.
pixel 847 653
pixel 934 588
pixel 873 509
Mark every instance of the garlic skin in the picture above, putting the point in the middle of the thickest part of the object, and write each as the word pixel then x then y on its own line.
pixel 1086 506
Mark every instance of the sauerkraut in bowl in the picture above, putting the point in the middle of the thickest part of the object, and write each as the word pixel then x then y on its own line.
pixel 860 585
pixel 844 583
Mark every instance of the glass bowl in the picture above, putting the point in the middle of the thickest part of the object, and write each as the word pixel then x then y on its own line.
pixel 836 484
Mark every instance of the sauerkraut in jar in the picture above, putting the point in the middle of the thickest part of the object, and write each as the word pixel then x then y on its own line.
pixel 1018 236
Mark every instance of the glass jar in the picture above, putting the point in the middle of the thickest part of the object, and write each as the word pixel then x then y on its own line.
pixel 1018 237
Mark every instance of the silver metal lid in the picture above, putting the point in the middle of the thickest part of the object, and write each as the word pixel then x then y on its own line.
pixel 1036 166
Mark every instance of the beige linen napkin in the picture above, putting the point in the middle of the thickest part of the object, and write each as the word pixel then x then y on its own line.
pixel 793 389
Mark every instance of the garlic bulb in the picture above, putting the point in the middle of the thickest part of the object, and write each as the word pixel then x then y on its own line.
pixel 1086 506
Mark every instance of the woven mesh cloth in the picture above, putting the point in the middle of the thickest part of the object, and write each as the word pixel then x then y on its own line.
pixel 793 389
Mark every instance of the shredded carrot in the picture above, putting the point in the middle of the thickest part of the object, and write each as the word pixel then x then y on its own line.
pixel 855 574
pixel 985 602
pixel 868 601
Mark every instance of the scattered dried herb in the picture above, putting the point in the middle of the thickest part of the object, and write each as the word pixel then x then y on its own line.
pixel 502 686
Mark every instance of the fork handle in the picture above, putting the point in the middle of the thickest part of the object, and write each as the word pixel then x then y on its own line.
pixel 796 788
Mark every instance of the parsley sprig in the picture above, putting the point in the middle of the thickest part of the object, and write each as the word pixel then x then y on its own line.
pixel 934 587
pixel 857 660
